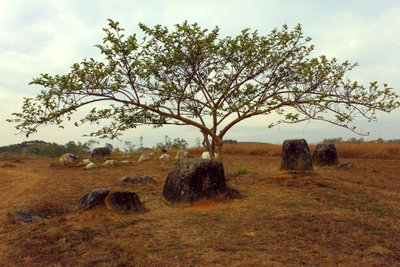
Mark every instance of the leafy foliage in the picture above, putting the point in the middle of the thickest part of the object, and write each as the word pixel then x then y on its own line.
pixel 192 76
pixel 44 149
pixel 177 143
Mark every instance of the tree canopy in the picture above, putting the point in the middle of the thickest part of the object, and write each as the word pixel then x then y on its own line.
pixel 194 76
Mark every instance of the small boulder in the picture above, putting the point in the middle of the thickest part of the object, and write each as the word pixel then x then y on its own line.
pixel 90 166
pixel 86 161
pixel 165 157
pixel 92 198
pixel 68 160
pixel 206 155
pixel 192 179
pixel 124 200
pixel 146 157
pixel 137 180
pixel 110 163
pixel 296 155
pixel 325 155
pixel 182 154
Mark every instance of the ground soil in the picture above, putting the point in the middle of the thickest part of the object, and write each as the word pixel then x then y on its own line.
pixel 348 216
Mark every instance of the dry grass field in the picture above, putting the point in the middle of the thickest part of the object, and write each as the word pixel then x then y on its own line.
pixel 348 216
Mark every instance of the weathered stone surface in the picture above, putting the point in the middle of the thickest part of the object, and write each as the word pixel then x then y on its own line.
pixel 192 179
pixel 68 160
pixel 124 200
pixel 90 166
pixel 182 154
pixel 296 155
pixel 137 180
pixel 165 157
pixel 325 155
pixel 100 152
pixel 146 157
pixel 93 198
pixel 110 163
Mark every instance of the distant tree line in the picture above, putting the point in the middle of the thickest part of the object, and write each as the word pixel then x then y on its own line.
pixel 361 140
pixel 45 149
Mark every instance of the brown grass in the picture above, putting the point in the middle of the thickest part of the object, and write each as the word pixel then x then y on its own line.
pixel 332 216
pixel 345 150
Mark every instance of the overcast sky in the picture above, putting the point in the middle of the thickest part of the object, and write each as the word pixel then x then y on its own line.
pixel 47 36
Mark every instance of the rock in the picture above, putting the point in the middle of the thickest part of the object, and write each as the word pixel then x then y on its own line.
pixel 137 180
pixel 146 157
pixel 206 155
pixel 126 201
pixel 92 198
pixel 124 162
pixel 68 160
pixel 25 216
pixel 110 163
pixel 86 161
pixel 165 157
pixel 182 154
pixel 100 152
pixel 90 166
pixel 192 179
pixel 325 155
pixel 8 165
pixel 296 155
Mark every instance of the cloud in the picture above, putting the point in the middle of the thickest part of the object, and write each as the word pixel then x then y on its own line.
pixel 44 36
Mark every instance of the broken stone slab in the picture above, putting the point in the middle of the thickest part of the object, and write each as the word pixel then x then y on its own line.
pixel 92 198
pixel 193 179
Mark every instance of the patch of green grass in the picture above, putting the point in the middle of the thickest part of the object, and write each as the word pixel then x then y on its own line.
pixel 242 171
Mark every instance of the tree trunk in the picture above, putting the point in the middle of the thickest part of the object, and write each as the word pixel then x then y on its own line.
pixel 220 156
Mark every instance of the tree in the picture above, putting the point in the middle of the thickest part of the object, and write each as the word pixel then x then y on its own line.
pixel 177 143
pixel 193 76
